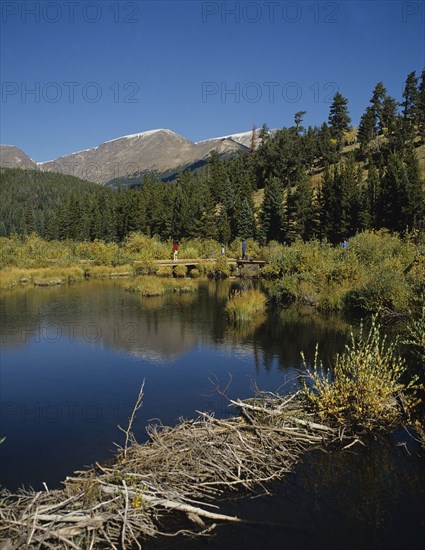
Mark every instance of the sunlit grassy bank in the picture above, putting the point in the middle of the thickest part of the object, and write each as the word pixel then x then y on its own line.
pixel 377 271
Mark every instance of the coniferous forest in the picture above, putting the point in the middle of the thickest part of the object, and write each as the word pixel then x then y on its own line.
pixel 328 182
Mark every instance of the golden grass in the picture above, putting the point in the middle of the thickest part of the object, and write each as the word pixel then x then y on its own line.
pixel 181 285
pixel 14 276
pixel 243 306
pixel 147 286
pixel 100 271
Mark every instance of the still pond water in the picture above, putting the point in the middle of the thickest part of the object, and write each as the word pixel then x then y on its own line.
pixel 72 362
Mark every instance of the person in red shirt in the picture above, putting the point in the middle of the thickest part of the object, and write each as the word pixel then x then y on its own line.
pixel 175 250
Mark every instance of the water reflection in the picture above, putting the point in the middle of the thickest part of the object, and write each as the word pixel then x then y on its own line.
pixel 363 498
pixel 162 327
pixel 74 357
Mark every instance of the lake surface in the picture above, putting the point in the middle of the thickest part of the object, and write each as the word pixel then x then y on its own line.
pixel 73 359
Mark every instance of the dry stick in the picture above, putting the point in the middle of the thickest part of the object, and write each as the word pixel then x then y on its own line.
pixel 49 534
pixel 306 423
pixel 77 518
pixel 132 417
pixel 125 514
pixel 173 505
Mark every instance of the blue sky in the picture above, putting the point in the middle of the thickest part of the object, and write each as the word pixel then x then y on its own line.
pixel 75 74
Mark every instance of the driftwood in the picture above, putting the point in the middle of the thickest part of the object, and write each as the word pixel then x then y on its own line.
pixel 180 470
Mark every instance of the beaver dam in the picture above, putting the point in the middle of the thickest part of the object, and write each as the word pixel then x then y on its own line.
pixel 177 475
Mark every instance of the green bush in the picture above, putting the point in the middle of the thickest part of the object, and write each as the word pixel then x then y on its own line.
pixel 381 288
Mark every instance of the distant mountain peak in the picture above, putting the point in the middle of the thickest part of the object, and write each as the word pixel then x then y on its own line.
pixel 144 134
pixel 160 150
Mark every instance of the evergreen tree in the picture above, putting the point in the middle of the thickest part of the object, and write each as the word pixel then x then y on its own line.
pixel 421 106
pixel 369 218
pixel 272 211
pixel 339 119
pixel 367 128
pixel 413 205
pixel 298 118
pixel 304 209
pixel 327 149
pixel 378 98
pixel 253 145
pixel 264 133
pixel 410 97
pixel 217 175
pixel 182 220
pixel 392 190
pixel 245 220
pixel 388 114
pixel 224 229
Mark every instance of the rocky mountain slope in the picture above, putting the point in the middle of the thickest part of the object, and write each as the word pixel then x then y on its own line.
pixel 13 157
pixel 162 151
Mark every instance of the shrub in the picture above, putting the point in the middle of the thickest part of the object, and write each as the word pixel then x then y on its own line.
pixel 382 288
pixel 100 252
pixel 164 271
pixel 180 271
pixel 364 390
pixel 253 249
pixel 244 306
pixel 269 271
pixel 194 273
pixel 415 337
pixel 221 269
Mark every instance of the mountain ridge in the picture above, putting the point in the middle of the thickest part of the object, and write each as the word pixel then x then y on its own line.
pixel 158 150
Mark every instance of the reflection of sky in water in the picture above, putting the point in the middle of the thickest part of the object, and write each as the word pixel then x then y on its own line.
pixel 65 387
pixel 85 350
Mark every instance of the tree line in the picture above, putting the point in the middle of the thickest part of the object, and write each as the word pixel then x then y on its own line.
pixel 294 183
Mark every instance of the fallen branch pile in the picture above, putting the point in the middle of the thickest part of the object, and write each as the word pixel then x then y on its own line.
pixel 180 469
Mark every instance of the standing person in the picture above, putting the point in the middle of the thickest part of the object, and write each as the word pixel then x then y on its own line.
pixel 344 244
pixel 223 253
pixel 175 251
pixel 244 256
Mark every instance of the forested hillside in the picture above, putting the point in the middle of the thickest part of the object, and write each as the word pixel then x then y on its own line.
pixel 326 182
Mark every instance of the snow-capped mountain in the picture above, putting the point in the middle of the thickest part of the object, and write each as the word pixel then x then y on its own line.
pixel 158 150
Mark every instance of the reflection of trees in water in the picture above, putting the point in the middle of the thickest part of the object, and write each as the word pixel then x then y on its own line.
pixel 293 330
pixel 371 486
pixel 169 325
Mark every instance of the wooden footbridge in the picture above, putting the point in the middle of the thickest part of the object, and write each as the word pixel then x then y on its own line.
pixel 193 262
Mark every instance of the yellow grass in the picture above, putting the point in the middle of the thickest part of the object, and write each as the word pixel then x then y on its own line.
pixel 14 276
pixel 244 306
